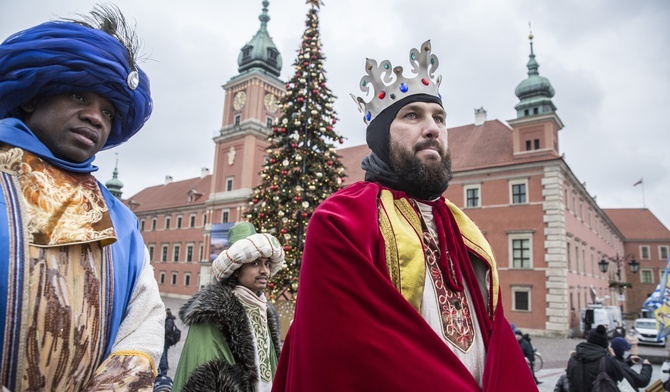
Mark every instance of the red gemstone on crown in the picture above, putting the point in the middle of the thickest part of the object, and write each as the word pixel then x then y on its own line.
pixel 425 81
pixel 382 94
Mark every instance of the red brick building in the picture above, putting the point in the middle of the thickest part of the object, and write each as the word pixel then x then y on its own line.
pixel 510 177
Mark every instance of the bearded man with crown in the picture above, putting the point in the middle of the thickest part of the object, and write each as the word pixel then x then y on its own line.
pixel 399 289
pixel 79 304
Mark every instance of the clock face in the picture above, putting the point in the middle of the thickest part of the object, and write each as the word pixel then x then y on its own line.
pixel 270 102
pixel 239 100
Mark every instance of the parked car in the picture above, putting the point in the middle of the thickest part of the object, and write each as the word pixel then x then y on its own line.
pixel 646 331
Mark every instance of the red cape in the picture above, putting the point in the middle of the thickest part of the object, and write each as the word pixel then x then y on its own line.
pixel 354 331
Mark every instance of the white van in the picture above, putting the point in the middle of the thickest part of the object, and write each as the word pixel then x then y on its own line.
pixel 594 315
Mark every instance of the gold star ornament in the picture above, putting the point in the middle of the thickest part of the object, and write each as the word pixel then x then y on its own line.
pixel 315 3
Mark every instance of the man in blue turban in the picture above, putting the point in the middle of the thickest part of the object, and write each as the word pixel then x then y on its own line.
pixel 79 305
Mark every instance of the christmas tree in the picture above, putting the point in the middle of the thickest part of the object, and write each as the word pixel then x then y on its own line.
pixel 302 167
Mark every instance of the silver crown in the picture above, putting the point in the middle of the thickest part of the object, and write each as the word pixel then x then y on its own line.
pixel 387 90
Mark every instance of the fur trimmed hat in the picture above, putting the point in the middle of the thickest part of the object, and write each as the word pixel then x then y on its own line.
pixel 598 336
pixel 247 246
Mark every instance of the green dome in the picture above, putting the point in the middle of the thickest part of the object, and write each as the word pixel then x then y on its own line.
pixel 261 52
pixel 534 92
pixel 114 185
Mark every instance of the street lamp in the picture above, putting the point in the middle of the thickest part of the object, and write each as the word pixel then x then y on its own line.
pixel 634 267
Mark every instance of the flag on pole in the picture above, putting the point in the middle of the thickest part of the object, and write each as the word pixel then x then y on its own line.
pixel 659 303
pixel 638 183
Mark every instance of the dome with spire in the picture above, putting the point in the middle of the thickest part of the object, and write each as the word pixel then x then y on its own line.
pixel 534 92
pixel 261 52
pixel 114 185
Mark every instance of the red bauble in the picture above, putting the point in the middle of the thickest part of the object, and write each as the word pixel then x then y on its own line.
pixel 255 200
pixel 341 140
pixel 294 145
pixel 283 130
pixel 301 99
pixel 283 231
pixel 298 198
pixel 329 128
pixel 272 160
pixel 315 91
pixel 287 248
pixel 261 215
pixel 330 163
pixel 304 214
pixel 284 172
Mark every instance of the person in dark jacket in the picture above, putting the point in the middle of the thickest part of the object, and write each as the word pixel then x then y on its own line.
pixel 583 367
pixel 169 342
pixel 621 349
pixel 528 352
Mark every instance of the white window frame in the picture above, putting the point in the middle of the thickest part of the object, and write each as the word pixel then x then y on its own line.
pixel 646 272
pixel 191 220
pixel 230 183
pixel 154 222
pixel 225 215
pixel 161 277
pixel 180 220
pixel 478 188
pixel 165 248
pixel 187 279
pixel 645 249
pixel 661 250
pixel 168 221
pixel 191 248
pixel 511 237
pixel 173 281
pixel 522 289
pixel 176 252
pixel 152 251
pixel 513 183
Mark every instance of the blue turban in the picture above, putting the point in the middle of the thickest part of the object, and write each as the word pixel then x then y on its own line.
pixel 62 57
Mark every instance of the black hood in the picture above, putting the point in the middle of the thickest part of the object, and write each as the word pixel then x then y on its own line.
pixel 589 352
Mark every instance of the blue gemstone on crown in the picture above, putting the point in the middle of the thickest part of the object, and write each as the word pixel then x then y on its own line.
pixel 368 116
pixel 403 87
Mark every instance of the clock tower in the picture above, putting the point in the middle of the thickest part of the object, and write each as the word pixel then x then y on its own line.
pixel 250 108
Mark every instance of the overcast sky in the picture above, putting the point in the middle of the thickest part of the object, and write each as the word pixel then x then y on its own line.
pixel 608 61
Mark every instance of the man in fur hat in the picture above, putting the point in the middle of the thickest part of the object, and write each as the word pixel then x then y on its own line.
pixel 398 288
pixel 79 304
pixel 233 339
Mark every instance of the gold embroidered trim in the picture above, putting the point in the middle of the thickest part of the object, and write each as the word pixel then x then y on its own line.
pixel 391 248
pixel 402 239
pixel 476 242
pixel 131 353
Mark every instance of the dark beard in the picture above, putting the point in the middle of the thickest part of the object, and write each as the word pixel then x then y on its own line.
pixel 426 181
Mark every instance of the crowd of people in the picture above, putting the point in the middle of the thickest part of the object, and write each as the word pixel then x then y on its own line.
pixel 398 290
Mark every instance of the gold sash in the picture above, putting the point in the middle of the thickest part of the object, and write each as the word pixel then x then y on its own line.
pixel 400 226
